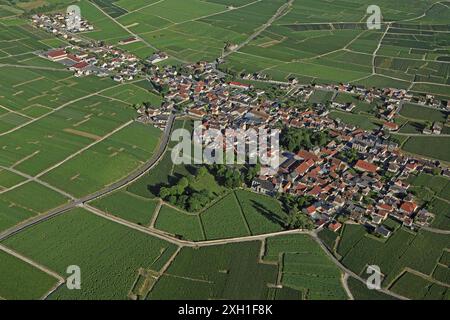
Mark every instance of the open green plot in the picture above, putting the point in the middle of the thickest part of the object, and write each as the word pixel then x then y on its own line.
pixel 25 202
pixel 42 144
pixel 149 185
pixel 321 96
pixel 360 291
pixel 432 147
pixel 404 249
pixel 179 223
pixel 105 29
pixel 229 271
pixel 127 206
pixel 306 267
pixel 21 280
pixel 329 238
pixel 107 161
pixel 134 94
pixel 441 210
pixel 359 120
pixel 262 213
pixel 108 254
pixel 9 179
pixel 224 219
pixel 23 87
pixel 442 274
pixel 415 287
pixel 418 112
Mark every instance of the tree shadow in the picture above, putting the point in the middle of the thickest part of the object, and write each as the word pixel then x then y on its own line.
pixel 267 213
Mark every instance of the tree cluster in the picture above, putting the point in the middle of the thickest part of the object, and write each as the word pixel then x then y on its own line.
pixel 293 139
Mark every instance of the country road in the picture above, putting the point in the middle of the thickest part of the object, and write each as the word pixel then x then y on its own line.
pixel 348 271
pixel 187 243
pixel 111 188
pixel 260 30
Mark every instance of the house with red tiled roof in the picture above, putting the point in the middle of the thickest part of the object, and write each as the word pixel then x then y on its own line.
pixel 391 126
pixel 304 167
pixel 366 166
pixel 335 226
pixel 315 191
pixel 408 207
pixel 56 55
pixel 310 210
pixel 306 155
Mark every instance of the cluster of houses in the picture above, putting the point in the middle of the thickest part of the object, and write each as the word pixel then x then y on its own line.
pixel 96 60
pixel 63 25
pixel 367 190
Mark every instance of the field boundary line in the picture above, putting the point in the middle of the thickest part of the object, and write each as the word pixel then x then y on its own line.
pixel 16 112
pixel 33 179
pixel 344 277
pixel 156 214
pixel 242 213
pixel 109 134
pixel 32 263
pixel 139 9
pixel 60 107
pixel 164 268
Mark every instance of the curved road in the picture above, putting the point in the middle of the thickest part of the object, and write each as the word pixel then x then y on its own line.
pixel 117 185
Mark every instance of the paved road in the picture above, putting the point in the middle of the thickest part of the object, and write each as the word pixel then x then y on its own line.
pixel 78 202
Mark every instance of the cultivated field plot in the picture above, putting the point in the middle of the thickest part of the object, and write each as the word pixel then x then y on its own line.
pixel 195 30
pixel 224 219
pixel 433 147
pixel 21 280
pixel 417 287
pixel 108 253
pixel 360 291
pixel 305 267
pixel 179 223
pixel 127 206
pixel 404 249
pixel 332 44
pixel 263 214
pixel 421 113
pixel 106 162
pixel 21 203
pixel 231 271
pixel 436 190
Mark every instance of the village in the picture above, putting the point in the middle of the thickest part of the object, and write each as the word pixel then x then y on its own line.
pixel 357 175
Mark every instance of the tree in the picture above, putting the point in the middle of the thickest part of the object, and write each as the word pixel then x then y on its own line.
pixel 298 220
pixel 202 171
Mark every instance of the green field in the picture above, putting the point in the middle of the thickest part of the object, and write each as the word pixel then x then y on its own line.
pixel 263 214
pixel 25 202
pixel 107 161
pixel 179 223
pixel 108 254
pixel 224 219
pixel 404 249
pixel 416 287
pixel 127 206
pixel 360 291
pixel 417 112
pixel 305 267
pixel 218 272
pixel 21 280
pixel 432 147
